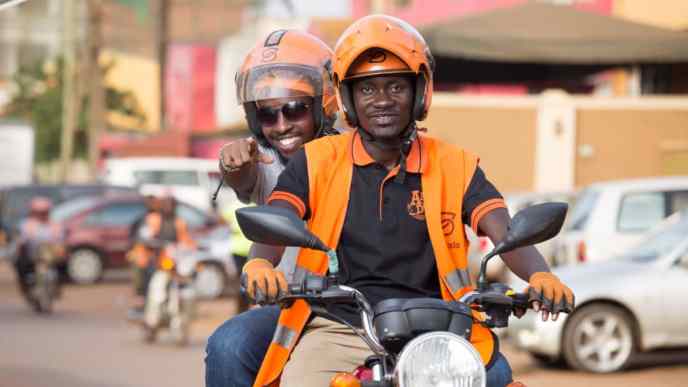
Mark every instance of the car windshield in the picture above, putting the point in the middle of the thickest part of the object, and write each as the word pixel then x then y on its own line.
pixel 581 210
pixel 67 209
pixel 662 240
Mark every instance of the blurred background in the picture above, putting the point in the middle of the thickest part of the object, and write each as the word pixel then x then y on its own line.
pixel 583 101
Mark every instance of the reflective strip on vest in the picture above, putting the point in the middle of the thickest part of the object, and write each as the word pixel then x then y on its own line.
pixel 457 280
pixel 284 336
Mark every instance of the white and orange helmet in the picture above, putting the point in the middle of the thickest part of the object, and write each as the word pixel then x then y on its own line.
pixel 381 44
pixel 288 63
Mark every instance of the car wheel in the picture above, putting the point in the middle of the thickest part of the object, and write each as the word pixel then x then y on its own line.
pixel 85 266
pixel 599 338
pixel 210 281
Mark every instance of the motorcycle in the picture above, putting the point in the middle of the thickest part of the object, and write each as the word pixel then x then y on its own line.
pixel 171 296
pixel 43 284
pixel 415 342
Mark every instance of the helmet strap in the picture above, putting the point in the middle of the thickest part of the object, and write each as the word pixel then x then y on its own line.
pixel 407 140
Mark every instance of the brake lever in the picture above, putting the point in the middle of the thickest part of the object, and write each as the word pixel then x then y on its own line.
pixel 561 307
pixel 338 295
pixel 495 298
pixel 333 295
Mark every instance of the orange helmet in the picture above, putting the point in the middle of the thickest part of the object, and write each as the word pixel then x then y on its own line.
pixel 381 44
pixel 287 63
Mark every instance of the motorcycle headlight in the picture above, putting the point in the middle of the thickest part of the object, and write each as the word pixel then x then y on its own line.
pixel 167 263
pixel 440 359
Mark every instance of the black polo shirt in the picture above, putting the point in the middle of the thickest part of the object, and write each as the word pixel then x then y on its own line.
pixel 385 250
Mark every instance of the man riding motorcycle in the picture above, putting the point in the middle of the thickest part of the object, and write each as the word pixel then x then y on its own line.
pixel 164 225
pixel 286 91
pixel 138 257
pixel 35 230
pixel 393 203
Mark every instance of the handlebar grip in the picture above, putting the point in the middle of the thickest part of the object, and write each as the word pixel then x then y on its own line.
pixel 520 300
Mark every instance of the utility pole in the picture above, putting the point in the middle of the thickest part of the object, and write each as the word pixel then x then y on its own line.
pixel 163 7
pixel 96 87
pixel 69 92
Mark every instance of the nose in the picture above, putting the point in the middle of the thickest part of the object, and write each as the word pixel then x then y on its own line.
pixel 283 125
pixel 382 100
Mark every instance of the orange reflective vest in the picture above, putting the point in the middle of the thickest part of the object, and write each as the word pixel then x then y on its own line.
pixel 330 167
pixel 141 255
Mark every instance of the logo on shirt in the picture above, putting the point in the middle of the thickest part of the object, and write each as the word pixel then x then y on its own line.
pixel 448 222
pixel 415 206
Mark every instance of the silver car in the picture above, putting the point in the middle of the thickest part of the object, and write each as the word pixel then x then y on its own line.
pixel 631 304
pixel 515 202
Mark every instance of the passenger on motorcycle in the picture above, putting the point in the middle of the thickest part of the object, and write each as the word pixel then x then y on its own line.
pixel 161 225
pixel 393 203
pixel 35 230
pixel 286 91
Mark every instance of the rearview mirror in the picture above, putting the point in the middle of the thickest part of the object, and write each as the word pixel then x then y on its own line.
pixel 533 225
pixel 276 226
pixel 529 226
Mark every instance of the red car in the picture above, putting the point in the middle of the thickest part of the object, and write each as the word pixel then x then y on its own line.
pixel 98 231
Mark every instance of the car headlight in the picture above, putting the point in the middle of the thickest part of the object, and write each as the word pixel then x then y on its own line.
pixel 440 359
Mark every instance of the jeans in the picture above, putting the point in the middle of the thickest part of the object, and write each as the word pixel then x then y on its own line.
pixel 236 349
pixel 499 375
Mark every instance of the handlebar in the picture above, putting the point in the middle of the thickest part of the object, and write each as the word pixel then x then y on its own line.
pixel 498 302
pixel 322 290
pixel 520 300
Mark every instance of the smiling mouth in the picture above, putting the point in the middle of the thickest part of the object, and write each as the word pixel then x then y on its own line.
pixel 288 142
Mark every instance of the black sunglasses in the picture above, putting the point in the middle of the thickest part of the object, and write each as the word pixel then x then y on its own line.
pixel 292 111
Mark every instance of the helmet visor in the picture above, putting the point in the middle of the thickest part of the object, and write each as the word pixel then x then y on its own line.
pixel 280 81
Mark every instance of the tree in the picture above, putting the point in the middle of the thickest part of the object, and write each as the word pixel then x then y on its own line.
pixel 38 99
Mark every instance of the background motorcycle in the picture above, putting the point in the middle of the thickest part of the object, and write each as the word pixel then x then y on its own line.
pixel 415 342
pixel 171 296
pixel 43 284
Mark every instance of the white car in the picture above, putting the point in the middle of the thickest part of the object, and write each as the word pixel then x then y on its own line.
pixel 612 216
pixel 189 179
pixel 633 303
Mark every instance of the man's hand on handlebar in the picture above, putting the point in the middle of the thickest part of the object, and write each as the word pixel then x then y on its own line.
pixel 549 295
pixel 263 283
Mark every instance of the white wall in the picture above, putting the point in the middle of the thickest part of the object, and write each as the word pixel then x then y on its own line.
pixel 555 143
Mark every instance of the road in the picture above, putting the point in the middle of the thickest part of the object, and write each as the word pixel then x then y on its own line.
pixel 87 343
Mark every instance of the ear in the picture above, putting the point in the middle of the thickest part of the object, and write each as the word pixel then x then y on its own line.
pixel 348 104
pixel 419 98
